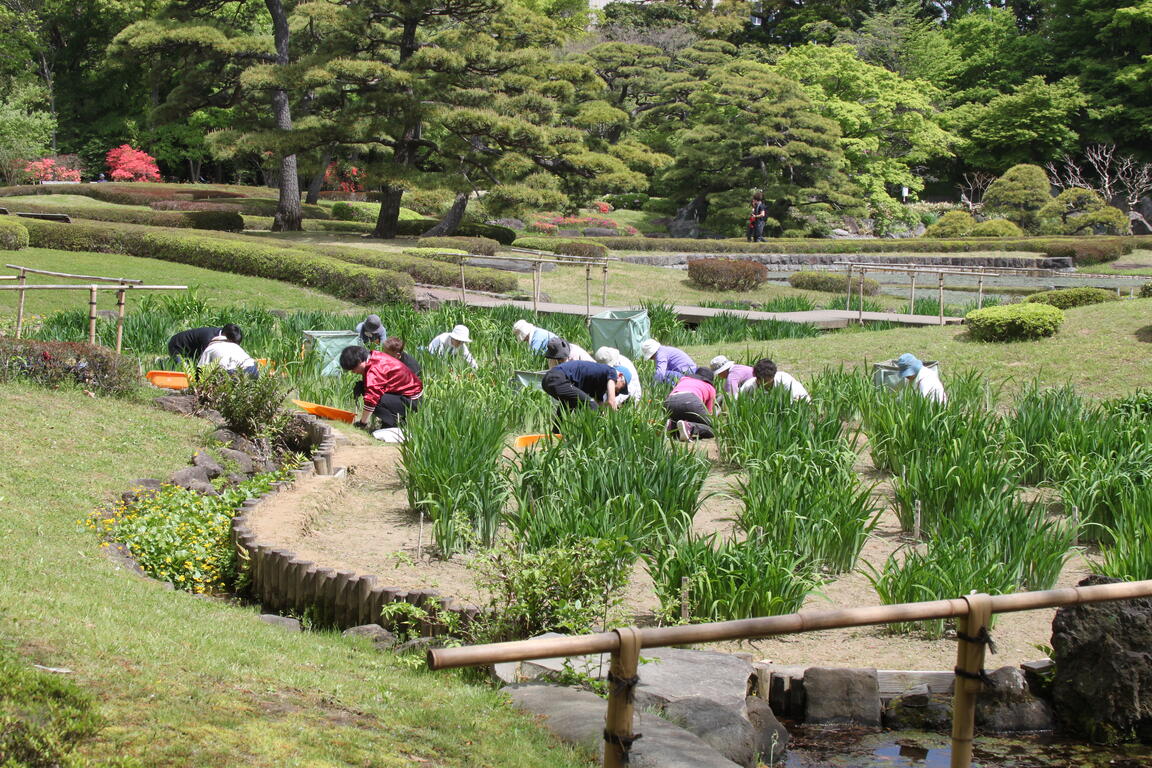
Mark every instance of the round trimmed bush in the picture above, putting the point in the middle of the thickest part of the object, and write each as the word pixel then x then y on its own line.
pixel 1146 291
pixel 343 212
pixel 479 246
pixel 831 282
pixel 1014 322
pixel 727 274
pixel 1066 298
pixel 996 228
pixel 952 224
pixel 13 235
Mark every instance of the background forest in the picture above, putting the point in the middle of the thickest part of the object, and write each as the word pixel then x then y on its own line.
pixel 832 108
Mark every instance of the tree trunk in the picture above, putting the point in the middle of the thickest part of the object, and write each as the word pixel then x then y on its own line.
pixel 318 178
pixel 288 216
pixel 389 211
pixel 452 219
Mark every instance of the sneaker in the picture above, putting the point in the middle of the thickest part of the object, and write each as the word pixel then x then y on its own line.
pixel 685 431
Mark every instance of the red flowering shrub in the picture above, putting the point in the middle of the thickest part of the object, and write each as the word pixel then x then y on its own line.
pixel 727 274
pixel 128 164
pixel 60 168
pixel 602 206
pixel 55 362
pixel 342 177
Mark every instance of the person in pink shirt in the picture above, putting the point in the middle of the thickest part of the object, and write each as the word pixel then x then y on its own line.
pixel 689 405
pixel 729 375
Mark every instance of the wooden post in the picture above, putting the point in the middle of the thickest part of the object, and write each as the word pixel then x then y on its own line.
pixel 588 293
pixel 969 666
pixel 463 293
pixel 20 304
pixel 604 295
pixel 916 519
pixel 92 291
pixel 912 296
pixel 119 318
pixel 980 291
pixel 685 586
pixel 622 680
pixel 860 317
pixel 940 295
pixel 848 297
pixel 536 286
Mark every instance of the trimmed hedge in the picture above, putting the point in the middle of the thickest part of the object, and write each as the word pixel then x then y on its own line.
pixel 450 255
pixel 502 235
pixel 582 249
pixel 13 235
pixel 237 255
pixel 951 225
pixel 831 282
pixel 727 274
pixel 1146 291
pixel 424 270
pixel 479 246
pixel 1066 298
pixel 1014 322
pixel 631 201
pixel 220 221
pixel 54 362
pixel 996 228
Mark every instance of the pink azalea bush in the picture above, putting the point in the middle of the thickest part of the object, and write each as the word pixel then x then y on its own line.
pixel 129 164
pixel 51 169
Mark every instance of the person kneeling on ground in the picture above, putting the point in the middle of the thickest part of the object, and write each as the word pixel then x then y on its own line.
pixel 729 376
pixel 671 363
pixel 611 356
pixel 580 384
pixel 925 379
pixel 225 350
pixel 454 342
pixel 766 375
pixel 190 344
pixel 371 330
pixel 559 350
pixel 689 404
pixel 390 388
pixel 394 345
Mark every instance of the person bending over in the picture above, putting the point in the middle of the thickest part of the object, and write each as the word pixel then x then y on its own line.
pixel 671 363
pixel 454 342
pixel 225 350
pixel 390 389
pixel 580 384
pixel 394 345
pixel 689 405
pixel 766 375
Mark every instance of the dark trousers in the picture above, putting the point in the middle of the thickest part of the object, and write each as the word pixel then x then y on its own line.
pixel 685 406
pixel 569 396
pixel 391 409
pixel 756 231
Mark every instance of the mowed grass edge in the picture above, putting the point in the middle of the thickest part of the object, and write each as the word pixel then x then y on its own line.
pixel 186 681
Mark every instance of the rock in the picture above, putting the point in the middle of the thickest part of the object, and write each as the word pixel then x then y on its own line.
pixel 242 460
pixel 224 436
pixel 600 232
pixel 1038 675
pixel 208 464
pixel 379 636
pixel 1006 705
pixel 1102 689
pixel 420 645
pixel 213 417
pixel 244 445
pixel 194 479
pixel 677 673
pixel 139 489
pixel 184 404
pixel 577 717
pixel 290 624
pixel 235 478
pixel 842 696
pixel 723 729
pixel 769 737
pixel 918 709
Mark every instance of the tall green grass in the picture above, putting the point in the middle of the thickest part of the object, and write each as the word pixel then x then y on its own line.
pixel 764 423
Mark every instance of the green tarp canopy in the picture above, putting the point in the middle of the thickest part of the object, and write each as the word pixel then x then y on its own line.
pixel 328 345
pixel 624 329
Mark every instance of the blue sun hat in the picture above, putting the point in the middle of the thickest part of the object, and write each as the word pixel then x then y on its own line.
pixel 909 365
pixel 627 374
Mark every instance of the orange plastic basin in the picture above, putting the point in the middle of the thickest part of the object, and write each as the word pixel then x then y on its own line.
pixel 523 441
pixel 168 379
pixel 326 412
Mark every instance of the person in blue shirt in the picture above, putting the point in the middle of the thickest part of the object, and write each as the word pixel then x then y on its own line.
pixel 671 363
pixel 536 337
pixel 580 384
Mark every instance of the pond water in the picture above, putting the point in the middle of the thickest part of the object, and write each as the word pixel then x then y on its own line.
pixel 818 748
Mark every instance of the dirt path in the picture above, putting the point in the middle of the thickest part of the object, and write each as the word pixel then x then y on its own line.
pixel 362 523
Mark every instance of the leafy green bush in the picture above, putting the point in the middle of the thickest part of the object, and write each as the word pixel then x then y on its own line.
pixel 480 246
pixel 1083 211
pixel 952 224
pixel 1019 195
pixel 223 221
pixel 414 227
pixel 727 274
pixel 1146 291
pixel 831 282
pixel 1014 322
pixel 250 407
pixel 579 250
pixel 425 270
pixel 502 235
pixel 344 212
pixel 13 235
pixel 537 243
pixel 450 255
pixel 996 228
pixel 665 206
pixel 1066 298
pixel 428 202
pixel 630 201
pixel 54 362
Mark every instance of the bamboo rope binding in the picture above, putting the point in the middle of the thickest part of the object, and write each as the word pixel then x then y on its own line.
pixel 973 636
pixel 622 680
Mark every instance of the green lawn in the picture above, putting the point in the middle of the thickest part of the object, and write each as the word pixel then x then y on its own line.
pixel 1103 350
pixel 182 681
pixel 63 202
pixel 219 287
pixel 1136 263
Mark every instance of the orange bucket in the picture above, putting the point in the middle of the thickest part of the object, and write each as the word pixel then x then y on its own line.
pixel 168 379
pixel 523 441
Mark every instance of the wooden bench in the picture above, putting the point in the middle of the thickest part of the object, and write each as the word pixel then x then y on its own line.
pixel 47 216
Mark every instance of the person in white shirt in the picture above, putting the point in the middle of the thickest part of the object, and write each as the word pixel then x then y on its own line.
pixel 454 342
pixel 765 374
pixel 225 350
pixel 925 379
pixel 611 356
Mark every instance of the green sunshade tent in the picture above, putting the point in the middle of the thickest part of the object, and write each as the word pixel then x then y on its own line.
pixel 624 329
pixel 328 345
pixel 887 373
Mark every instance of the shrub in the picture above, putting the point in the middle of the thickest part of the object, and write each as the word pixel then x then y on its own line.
pixel 480 246
pixel 631 201
pixel 1087 251
pixel 130 164
pixel 219 221
pixel 49 169
pixel 428 202
pixel 13 235
pixel 53 363
pixel 222 221
pixel 189 205
pixel 1019 195
pixel 996 228
pixel 450 255
pixel 727 274
pixel 831 282
pixel 344 212
pixel 502 235
pixel 1014 322
pixel 664 206
pixel 952 224
pixel 1146 291
pixel 413 227
pixel 1066 298
pixel 43 716
pixel 579 250
pixel 250 407
pixel 1082 211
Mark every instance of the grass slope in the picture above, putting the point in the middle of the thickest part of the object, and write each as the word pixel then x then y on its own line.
pixel 219 287
pixel 1102 350
pixel 185 681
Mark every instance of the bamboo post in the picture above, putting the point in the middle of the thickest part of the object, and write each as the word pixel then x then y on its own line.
pixel 973 632
pixel 912 296
pixel 420 538
pixel 119 319
pixel 588 293
pixel 685 586
pixel 463 293
pixel 604 295
pixel 980 291
pixel 622 681
pixel 848 298
pixel 860 316
pixel 916 519
pixel 940 295
pixel 536 286
pixel 92 291
pixel 20 303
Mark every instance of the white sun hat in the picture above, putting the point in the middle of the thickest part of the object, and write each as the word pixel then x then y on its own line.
pixel 720 364
pixel 523 328
pixel 607 355
pixel 648 348
pixel 460 334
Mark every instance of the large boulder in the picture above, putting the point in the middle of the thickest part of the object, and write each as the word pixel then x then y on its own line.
pixel 918 709
pixel 1006 704
pixel 1102 689
pixel 209 464
pixel 670 674
pixel 770 738
pixel 842 697
pixel 183 404
pixel 722 728
pixel 194 479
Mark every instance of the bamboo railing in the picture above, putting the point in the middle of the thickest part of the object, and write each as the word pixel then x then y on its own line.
pixel 973 613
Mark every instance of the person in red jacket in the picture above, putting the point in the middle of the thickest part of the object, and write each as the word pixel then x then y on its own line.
pixel 391 389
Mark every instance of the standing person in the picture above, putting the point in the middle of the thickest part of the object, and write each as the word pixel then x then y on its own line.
pixel 611 356
pixel 225 351
pixel 765 375
pixel 454 342
pixel 729 375
pixel 925 379
pixel 371 330
pixel 756 218
pixel 190 344
pixel 689 405
pixel 390 388
pixel 580 384
pixel 394 345
pixel 671 363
